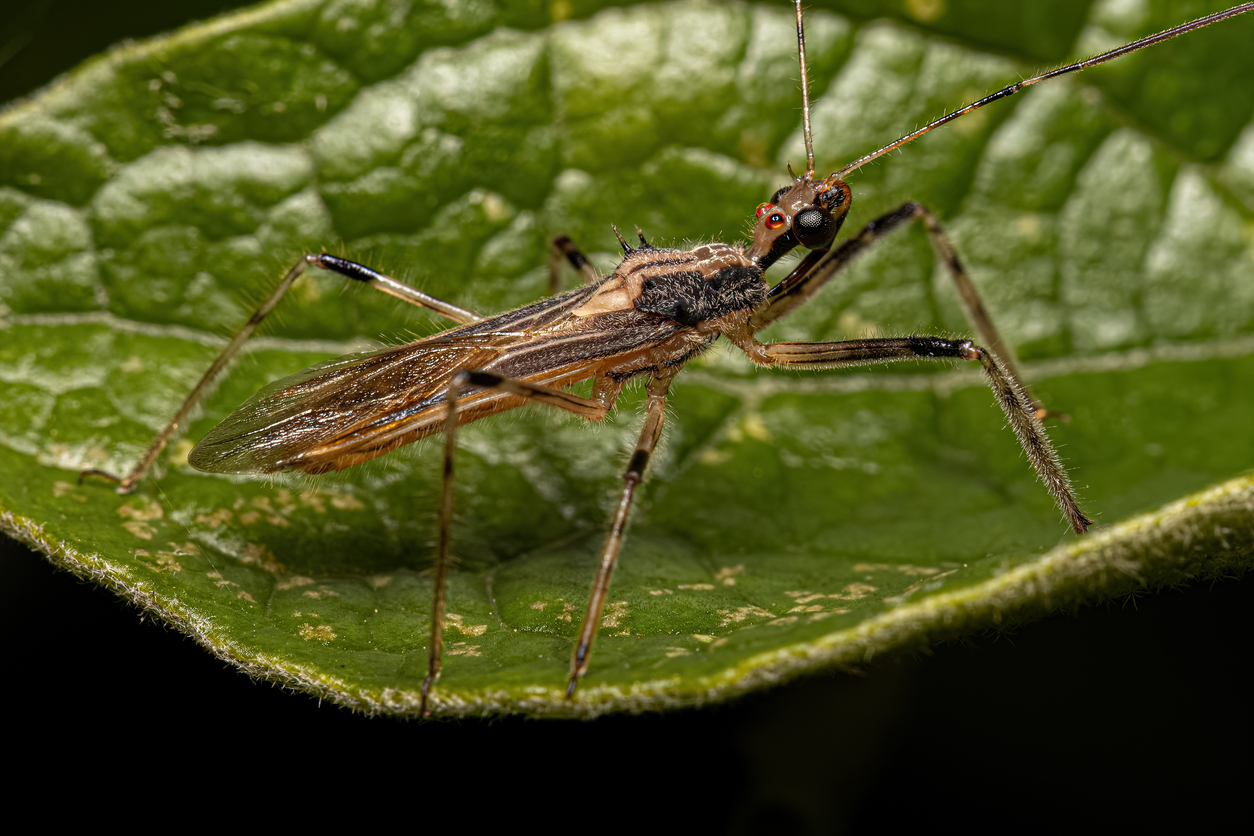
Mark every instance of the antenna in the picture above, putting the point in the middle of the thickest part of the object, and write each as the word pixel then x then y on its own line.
pixel 805 92
pixel 1165 35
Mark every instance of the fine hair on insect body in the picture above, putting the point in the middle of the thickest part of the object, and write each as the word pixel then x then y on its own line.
pixel 658 309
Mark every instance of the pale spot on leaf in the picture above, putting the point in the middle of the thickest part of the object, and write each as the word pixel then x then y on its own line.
pixel 141 508
pixel 727 575
pixel 140 529
pixel 456 622
pixel 322 632
pixel 614 614
pixel 741 613
pixel 903 568
pixel 255 554
pixel 755 427
pixel 218 580
pixel 218 518
pixel 346 502
pixel 181 450
pixel 713 456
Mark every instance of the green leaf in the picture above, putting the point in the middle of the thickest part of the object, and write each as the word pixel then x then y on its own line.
pixel 792 521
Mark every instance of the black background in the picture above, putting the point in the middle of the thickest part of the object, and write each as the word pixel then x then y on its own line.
pixel 1121 715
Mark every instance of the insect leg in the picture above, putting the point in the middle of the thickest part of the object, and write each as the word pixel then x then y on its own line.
pixel 819 266
pixel 814 271
pixel 593 410
pixel 350 269
pixel 655 413
pixel 561 248
pixel 1011 396
pixel 387 284
pixel 977 314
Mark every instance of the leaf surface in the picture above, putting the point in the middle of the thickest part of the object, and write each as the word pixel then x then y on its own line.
pixel 791 520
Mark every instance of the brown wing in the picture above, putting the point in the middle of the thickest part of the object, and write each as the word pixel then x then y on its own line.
pixel 340 412
pixel 355 408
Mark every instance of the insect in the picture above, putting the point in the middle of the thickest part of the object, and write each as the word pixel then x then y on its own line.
pixel 656 311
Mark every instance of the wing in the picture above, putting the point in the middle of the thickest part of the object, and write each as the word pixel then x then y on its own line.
pixel 341 412
pixel 352 409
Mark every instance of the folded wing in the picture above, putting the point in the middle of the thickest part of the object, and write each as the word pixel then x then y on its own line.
pixel 341 412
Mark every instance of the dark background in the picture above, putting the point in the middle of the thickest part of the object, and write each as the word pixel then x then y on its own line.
pixel 1119 715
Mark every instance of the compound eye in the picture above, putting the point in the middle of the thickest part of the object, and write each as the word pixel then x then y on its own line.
pixel 814 227
pixel 775 197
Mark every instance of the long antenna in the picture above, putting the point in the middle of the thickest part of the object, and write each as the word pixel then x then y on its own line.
pixel 805 92
pixel 1165 35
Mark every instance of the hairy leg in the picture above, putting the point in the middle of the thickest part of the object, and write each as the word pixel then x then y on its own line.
pixel 352 270
pixel 1011 396
pixel 593 410
pixel 655 414
pixel 818 267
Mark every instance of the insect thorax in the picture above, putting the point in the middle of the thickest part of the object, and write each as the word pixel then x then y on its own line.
pixel 694 286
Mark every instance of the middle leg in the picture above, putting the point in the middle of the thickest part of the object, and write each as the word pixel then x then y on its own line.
pixel 655 413
pixel 592 409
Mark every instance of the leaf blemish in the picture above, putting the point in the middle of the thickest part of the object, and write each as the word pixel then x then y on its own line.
pixel 456 622
pixel 614 614
pixel 218 580
pixel 903 568
pixel 141 508
pixel 255 554
pixel 218 518
pixel 60 489
pixel 741 613
pixel 322 632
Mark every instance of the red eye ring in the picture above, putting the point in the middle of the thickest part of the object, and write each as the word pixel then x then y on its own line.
pixel 777 220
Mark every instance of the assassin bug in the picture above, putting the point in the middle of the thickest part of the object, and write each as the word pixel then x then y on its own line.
pixel 658 309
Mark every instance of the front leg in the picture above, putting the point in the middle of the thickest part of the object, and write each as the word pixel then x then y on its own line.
pixel 1011 396
pixel 819 266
